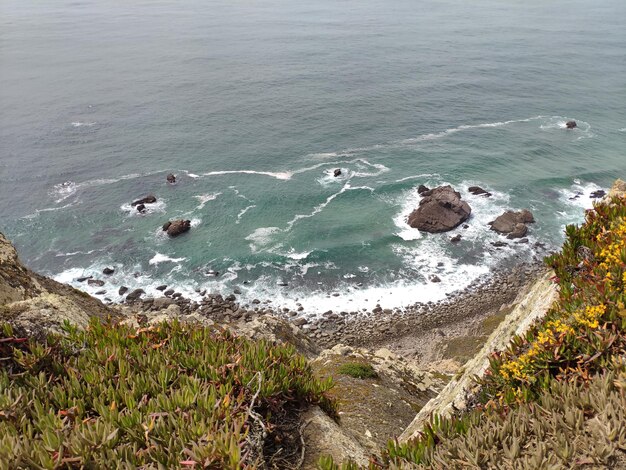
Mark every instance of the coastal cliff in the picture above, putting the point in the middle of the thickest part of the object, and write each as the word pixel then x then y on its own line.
pixel 351 400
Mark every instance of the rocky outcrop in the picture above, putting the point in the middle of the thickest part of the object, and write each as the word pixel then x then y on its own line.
pixel 570 124
pixel 150 199
pixel 513 224
pixel 35 305
pixel 618 189
pixel 171 178
pixel 337 172
pixel 440 210
pixel 177 227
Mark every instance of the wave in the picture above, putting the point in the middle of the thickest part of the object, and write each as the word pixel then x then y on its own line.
pixel 47 209
pixel 243 211
pixel 204 198
pixel 83 124
pixel 161 258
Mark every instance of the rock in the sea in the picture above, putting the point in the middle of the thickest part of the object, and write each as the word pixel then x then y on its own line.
pixel 150 199
pixel 456 238
pixel 440 210
pixel 95 282
pixel 141 208
pixel 570 124
pixel 337 172
pixel 597 194
pixel 108 271
pixel 177 227
pixel 421 189
pixel 434 278
pixel 478 191
pixel 161 287
pixel 135 295
pixel 122 290
pixel 83 279
pixel 513 224
pixel 171 178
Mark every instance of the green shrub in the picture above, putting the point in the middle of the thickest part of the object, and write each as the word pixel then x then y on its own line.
pixel 358 370
pixel 167 396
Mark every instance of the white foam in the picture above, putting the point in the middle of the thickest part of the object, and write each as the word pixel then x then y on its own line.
pixel 285 175
pixel 578 196
pixel 623 129
pixel 261 237
pixel 65 190
pixel 161 258
pixel 83 124
pixel 195 222
pixel 293 254
pixel 582 129
pixel 204 198
pixel 47 209
pixel 243 211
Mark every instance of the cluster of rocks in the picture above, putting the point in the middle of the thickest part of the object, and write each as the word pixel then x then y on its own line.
pixel 442 209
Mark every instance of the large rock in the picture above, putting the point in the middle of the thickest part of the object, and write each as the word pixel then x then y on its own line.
pixel 177 227
pixel 440 210
pixel 150 199
pixel 513 224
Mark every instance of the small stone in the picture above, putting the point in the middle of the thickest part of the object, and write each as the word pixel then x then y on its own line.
pixel 162 287
pixel 337 172
pixel 101 292
pixel 122 290
pixel 83 279
pixel 108 271
pixel 456 238
pixel 95 282
pixel 434 278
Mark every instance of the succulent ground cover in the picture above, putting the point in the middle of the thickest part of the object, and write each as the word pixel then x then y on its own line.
pixel 555 398
pixel 166 396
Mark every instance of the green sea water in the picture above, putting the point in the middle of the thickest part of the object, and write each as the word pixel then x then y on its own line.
pixel 253 105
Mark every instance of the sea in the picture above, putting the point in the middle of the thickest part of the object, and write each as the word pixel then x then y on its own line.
pixel 254 104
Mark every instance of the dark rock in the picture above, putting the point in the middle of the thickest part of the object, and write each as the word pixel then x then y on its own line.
pixel 456 239
pixel 141 208
pixel 421 189
pixel 337 172
pixel 300 321
pixel 283 284
pixel 122 290
pixel 177 227
pixel 499 244
pixel 571 124
pixel 168 292
pixel 108 271
pixel 478 191
pixel 95 282
pixel 230 298
pixel 237 292
pixel 176 295
pixel 150 199
pixel 162 287
pixel 597 194
pixel 513 224
pixel 171 178
pixel 465 226
pixel 522 240
pixel 434 278
pixel 83 279
pixel 101 292
pixel 135 295
pixel 440 211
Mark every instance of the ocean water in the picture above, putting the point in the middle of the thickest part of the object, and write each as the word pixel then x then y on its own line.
pixel 254 104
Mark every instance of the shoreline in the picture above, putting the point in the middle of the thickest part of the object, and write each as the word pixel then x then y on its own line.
pixel 410 331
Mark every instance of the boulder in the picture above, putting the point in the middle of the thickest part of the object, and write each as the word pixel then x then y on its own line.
pixel 135 295
pixel 478 191
pixel 171 178
pixel 108 271
pixel 150 199
pixel 600 193
pixel 570 124
pixel 122 290
pixel 434 278
pixel 337 172
pixel 456 238
pixel 177 227
pixel 513 224
pixel 421 189
pixel 95 282
pixel 141 208
pixel 162 287
pixel 440 210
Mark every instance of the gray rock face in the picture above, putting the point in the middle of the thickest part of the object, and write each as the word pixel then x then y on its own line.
pixel 177 227
pixel 440 210
pixel 513 224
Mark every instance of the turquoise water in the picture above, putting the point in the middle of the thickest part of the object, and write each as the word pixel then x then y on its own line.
pixel 254 104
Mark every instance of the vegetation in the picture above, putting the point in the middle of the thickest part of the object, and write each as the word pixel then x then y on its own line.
pixel 358 370
pixel 166 396
pixel 555 397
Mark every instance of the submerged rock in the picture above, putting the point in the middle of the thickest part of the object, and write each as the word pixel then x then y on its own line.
pixel 513 224
pixel 141 208
pixel 600 193
pixel 570 124
pixel 108 271
pixel 478 191
pixel 171 178
pixel 440 210
pixel 149 199
pixel 337 172
pixel 176 227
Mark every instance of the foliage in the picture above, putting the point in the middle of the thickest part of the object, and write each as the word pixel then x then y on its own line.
pixel 358 370
pixel 165 396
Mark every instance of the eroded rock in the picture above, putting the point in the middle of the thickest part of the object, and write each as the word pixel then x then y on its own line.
pixel 440 210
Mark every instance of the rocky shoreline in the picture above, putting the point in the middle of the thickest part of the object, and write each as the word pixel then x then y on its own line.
pixel 376 327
